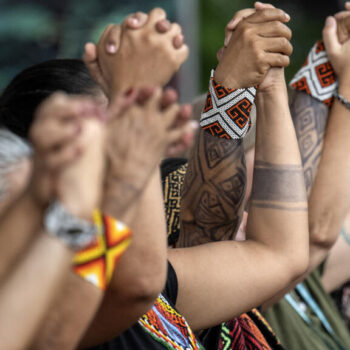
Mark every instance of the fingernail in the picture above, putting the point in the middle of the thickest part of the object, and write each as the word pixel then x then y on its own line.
pixel 194 124
pixel 134 21
pixel 103 116
pixel 287 16
pixel 329 21
pixel 227 40
pixel 233 23
pixel 78 152
pixel 129 92
pixel 87 107
pixel 111 48
pixel 77 130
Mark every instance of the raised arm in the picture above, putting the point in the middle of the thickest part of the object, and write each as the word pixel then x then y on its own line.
pixel 214 188
pixel 22 291
pixel 277 229
pixel 123 305
pixel 326 219
pixel 22 220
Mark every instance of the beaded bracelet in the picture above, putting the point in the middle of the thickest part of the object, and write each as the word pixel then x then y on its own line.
pixel 97 263
pixel 342 99
pixel 226 113
pixel 317 77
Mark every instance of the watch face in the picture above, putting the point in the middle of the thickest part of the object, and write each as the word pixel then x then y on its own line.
pixel 75 232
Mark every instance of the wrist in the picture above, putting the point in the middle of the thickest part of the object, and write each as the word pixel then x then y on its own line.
pixel 272 91
pixel 225 78
pixel 36 201
pixel 344 84
pixel 74 231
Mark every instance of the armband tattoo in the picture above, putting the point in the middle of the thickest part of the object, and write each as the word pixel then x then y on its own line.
pixel 317 77
pixel 97 263
pixel 226 112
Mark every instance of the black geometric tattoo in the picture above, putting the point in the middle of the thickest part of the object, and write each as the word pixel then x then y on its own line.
pixel 310 119
pixel 274 187
pixel 213 191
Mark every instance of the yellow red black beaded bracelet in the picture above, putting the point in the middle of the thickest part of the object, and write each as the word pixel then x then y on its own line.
pixel 97 263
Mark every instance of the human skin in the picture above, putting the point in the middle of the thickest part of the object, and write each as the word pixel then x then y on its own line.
pixel 306 107
pixel 47 256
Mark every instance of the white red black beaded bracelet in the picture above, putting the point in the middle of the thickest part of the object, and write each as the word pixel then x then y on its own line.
pixel 226 112
pixel 317 77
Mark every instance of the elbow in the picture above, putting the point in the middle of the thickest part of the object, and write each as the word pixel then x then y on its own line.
pixel 141 287
pixel 297 266
pixel 295 263
pixel 146 289
pixel 323 233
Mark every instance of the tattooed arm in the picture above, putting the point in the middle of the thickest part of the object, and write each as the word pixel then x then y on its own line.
pixel 327 203
pixel 329 199
pixel 214 187
pixel 277 228
pixel 213 191
pixel 323 142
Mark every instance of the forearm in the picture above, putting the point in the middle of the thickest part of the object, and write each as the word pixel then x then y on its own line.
pixel 278 203
pixel 29 289
pixel 213 192
pixel 141 272
pixel 18 225
pixel 328 200
pixel 310 118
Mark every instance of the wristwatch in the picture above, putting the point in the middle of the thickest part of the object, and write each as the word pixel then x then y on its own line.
pixel 76 233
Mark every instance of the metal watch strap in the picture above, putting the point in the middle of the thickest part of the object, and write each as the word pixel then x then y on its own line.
pixel 73 231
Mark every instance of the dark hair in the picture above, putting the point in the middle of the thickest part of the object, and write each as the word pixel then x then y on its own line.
pixel 29 88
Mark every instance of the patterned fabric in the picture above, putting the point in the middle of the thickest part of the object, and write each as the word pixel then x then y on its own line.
pixel 172 197
pixel 226 113
pixel 97 263
pixel 248 332
pixel 168 327
pixel 317 77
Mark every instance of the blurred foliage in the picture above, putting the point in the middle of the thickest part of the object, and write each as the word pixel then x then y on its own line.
pixel 307 18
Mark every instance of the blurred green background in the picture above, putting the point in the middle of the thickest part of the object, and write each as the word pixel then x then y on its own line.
pixel 307 19
pixel 35 30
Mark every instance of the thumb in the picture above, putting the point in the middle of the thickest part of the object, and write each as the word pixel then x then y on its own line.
pixel 330 36
pixel 262 6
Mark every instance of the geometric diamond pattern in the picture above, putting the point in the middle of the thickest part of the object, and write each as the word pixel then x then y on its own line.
pixel 317 77
pixel 97 263
pixel 226 113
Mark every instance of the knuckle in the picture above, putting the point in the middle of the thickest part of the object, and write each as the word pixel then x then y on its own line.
pixel 286 61
pixel 140 14
pixel 289 32
pixel 282 61
pixel 158 13
pixel 175 27
pixel 147 37
pixel 264 14
pixel 246 33
pixel 260 56
pixel 285 43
